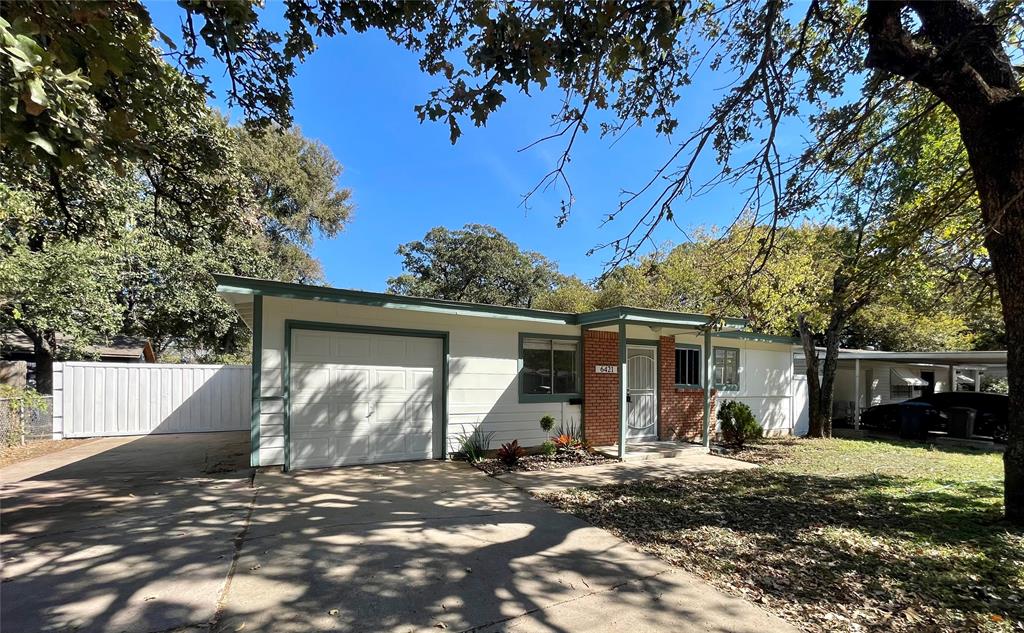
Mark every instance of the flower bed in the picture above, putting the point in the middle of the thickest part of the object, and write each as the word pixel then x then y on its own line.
pixel 567 459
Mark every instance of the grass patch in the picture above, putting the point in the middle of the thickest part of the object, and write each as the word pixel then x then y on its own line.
pixel 836 535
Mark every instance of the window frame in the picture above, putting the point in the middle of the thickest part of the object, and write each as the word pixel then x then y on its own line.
pixel 700 366
pixel 739 364
pixel 550 397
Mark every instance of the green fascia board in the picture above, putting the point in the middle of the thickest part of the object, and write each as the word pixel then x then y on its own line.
pixel 760 338
pixel 257 369
pixel 646 316
pixel 246 285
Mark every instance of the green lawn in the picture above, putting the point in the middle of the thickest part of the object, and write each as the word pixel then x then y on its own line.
pixel 836 535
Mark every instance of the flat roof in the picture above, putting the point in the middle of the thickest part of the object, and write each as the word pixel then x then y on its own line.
pixel 997 357
pixel 245 287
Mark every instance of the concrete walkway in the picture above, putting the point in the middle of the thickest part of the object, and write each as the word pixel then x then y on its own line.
pixel 164 533
pixel 620 472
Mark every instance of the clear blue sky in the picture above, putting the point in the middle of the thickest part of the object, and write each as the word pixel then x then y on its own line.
pixel 356 94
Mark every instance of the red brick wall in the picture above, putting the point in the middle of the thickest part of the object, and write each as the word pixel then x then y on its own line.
pixel 680 411
pixel 600 391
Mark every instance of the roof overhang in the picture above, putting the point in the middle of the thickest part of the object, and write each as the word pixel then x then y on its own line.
pixel 925 358
pixel 240 291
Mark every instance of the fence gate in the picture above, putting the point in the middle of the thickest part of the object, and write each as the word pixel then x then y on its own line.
pixel 106 399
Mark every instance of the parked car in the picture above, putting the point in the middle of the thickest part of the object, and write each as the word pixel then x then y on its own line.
pixel 932 413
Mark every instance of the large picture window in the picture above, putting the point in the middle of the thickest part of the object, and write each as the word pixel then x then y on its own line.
pixel 688 366
pixel 727 368
pixel 550 367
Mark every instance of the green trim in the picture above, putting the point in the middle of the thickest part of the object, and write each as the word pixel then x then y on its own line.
pixel 248 286
pixel 623 389
pixel 709 372
pixel 646 316
pixel 758 337
pixel 229 284
pixel 290 325
pixel 257 377
pixel 550 397
pixel 680 385
pixel 730 387
pixel 642 342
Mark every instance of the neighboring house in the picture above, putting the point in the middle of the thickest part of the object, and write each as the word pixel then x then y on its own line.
pixel 866 378
pixel 117 349
pixel 346 377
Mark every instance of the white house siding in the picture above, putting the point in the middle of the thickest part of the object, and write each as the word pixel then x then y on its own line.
pixel 766 380
pixel 483 368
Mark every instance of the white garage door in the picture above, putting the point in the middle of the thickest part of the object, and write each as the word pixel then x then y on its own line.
pixel 363 398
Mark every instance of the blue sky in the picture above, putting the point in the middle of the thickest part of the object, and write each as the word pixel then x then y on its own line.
pixel 356 94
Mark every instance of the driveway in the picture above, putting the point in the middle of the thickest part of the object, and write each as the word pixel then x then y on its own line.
pixel 402 547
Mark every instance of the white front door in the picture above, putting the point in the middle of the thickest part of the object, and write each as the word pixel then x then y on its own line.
pixel 641 385
pixel 361 398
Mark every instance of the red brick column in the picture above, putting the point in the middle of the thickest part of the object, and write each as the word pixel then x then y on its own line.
pixel 600 391
pixel 680 411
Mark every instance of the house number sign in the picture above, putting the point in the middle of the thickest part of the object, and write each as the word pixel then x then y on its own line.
pixel 606 369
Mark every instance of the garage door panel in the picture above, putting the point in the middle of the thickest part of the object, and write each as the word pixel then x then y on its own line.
pixel 373 398
pixel 349 380
pixel 311 346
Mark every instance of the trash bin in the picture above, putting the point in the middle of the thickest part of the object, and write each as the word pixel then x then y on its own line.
pixel 914 418
pixel 961 422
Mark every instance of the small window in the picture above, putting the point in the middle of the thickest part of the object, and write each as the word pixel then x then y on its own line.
pixel 550 367
pixel 727 368
pixel 688 366
pixel 898 391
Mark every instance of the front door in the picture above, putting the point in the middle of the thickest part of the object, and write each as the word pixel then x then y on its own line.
pixel 642 381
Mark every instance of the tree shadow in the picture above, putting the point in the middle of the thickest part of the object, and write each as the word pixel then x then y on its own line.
pixel 815 539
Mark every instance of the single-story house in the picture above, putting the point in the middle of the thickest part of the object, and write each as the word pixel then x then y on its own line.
pixel 17 354
pixel 867 378
pixel 351 377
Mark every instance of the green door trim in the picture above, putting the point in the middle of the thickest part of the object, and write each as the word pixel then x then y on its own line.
pixel 290 325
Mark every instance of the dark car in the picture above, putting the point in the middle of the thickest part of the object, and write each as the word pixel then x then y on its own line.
pixel 917 416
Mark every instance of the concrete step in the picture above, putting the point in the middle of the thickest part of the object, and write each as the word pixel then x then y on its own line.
pixel 646 451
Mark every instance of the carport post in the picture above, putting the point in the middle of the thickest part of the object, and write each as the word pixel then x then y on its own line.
pixel 623 386
pixel 952 378
pixel 709 374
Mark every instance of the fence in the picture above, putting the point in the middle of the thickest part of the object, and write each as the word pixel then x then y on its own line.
pixel 106 399
pixel 21 423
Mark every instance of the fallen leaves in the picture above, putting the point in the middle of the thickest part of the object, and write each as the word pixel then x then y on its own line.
pixel 861 551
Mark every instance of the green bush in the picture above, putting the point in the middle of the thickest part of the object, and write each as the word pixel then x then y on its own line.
pixel 472 445
pixel 547 423
pixel 548 448
pixel 738 423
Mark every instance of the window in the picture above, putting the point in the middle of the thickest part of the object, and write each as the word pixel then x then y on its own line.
pixel 900 391
pixel 727 368
pixel 688 366
pixel 550 367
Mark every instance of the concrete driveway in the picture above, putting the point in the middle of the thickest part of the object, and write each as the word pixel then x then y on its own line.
pixel 402 547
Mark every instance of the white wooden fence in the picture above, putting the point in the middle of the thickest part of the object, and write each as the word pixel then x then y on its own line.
pixel 105 399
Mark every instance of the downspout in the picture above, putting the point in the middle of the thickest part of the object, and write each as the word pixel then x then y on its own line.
pixel 709 372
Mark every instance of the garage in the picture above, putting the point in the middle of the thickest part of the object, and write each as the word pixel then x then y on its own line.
pixel 363 398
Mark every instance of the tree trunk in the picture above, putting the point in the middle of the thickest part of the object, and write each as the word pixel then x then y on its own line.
pixel 995 145
pixel 43 345
pixel 814 418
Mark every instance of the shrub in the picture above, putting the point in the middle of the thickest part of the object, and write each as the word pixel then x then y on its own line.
pixel 996 385
pixel 563 442
pixel 548 448
pixel 547 423
pixel 571 430
pixel 738 423
pixel 510 452
pixel 473 445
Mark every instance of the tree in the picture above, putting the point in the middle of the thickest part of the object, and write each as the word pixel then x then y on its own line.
pixel 633 62
pixel 476 263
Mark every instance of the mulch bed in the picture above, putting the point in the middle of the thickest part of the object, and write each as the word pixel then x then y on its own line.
pixel 544 462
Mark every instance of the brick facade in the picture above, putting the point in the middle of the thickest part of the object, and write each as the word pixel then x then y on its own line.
pixel 600 391
pixel 680 411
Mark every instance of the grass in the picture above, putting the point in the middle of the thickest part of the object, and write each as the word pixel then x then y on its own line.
pixel 836 535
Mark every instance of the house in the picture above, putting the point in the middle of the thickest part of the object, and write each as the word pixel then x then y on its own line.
pixel 866 378
pixel 17 354
pixel 351 377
